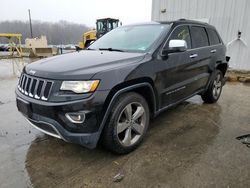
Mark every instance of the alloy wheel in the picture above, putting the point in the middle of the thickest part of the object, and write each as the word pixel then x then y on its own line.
pixel 217 86
pixel 131 124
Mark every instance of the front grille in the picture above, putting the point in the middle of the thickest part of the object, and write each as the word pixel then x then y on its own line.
pixel 35 87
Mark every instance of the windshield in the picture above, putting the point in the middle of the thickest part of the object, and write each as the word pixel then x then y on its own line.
pixel 130 38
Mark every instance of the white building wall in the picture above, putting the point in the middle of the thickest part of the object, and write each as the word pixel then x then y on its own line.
pixel 228 16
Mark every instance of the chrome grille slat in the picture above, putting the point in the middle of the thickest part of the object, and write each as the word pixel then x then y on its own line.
pixel 42 90
pixel 35 91
pixel 20 81
pixel 35 87
pixel 39 88
pixel 23 83
pixel 26 86
pixel 29 91
pixel 47 89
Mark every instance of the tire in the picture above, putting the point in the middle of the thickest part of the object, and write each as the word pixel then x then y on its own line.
pixel 214 89
pixel 127 124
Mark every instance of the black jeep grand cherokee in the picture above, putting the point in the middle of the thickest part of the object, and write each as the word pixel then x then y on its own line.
pixel 108 92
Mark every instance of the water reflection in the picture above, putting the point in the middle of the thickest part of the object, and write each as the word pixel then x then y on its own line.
pixel 174 142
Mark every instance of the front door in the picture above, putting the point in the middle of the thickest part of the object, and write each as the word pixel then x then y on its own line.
pixel 177 72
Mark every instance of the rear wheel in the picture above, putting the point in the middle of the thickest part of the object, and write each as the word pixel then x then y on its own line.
pixel 215 88
pixel 127 124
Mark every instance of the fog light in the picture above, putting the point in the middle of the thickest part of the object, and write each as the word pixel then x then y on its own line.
pixel 76 117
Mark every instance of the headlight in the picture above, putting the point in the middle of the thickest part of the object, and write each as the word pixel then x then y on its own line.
pixel 80 86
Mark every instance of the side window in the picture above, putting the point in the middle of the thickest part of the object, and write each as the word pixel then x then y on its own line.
pixel 199 37
pixel 213 36
pixel 181 33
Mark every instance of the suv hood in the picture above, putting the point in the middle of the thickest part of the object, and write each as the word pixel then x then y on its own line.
pixel 81 65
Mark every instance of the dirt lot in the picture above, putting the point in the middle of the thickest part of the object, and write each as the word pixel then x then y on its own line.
pixel 190 145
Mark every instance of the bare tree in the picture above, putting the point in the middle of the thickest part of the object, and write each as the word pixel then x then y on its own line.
pixel 61 32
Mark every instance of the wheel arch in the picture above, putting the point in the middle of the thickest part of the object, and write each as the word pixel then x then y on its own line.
pixel 143 86
pixel 222 67
pixel 137 85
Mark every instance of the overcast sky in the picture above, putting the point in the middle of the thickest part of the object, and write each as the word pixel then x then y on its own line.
pixel 78 11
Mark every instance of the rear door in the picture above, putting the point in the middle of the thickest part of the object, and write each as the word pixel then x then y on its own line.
pixel 216 49
pixel 200 59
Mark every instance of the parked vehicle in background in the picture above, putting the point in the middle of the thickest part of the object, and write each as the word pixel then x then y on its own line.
pixel 4 47
pixel 109 92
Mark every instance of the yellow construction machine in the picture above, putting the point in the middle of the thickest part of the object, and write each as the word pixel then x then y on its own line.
pixel 15 40
pixel 102 27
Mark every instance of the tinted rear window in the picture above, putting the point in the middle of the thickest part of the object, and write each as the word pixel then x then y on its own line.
pixel 213 36
pixel 199 37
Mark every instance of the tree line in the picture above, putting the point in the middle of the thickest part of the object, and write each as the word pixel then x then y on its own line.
pixel 57 33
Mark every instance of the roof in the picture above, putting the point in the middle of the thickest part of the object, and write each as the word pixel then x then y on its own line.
pixel 175 22
pixel 184 21
pixel 108 19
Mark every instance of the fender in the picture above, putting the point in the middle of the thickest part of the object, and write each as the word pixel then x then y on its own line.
pixel 223 67
pixel 117 94
pixel 213 75
pixel 210 79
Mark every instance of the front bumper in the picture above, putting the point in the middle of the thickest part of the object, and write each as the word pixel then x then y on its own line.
pixel 52 128
pixel 50 118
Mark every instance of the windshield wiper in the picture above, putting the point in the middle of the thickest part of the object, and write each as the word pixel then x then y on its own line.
pixel 111 49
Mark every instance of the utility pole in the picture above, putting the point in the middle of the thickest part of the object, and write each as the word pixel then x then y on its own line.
pixel 31 33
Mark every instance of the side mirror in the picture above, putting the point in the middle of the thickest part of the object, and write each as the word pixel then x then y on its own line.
pixel 175 46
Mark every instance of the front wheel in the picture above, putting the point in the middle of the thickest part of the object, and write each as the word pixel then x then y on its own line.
pixel 214 89
pixel 127 124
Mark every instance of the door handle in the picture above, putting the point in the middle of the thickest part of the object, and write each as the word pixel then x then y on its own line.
pixel 193 55
pixel 213 51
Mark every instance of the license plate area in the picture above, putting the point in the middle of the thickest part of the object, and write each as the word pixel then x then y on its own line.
pixel 24 107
